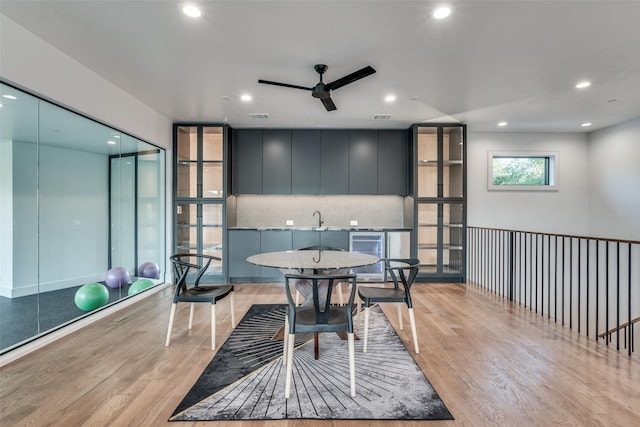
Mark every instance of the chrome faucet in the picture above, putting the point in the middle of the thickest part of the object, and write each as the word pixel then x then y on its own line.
pixel 320 221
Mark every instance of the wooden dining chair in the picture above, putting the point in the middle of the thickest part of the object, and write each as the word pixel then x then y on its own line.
pixel 189 270
pixel 319 317
pixel 403 272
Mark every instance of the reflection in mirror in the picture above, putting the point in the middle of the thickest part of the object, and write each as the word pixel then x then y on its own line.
pixel 81 210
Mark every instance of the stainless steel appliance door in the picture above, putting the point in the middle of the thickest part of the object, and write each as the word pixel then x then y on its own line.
pixel 371 243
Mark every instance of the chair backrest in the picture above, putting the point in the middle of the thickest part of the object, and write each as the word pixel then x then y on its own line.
pixel 397 269
pixel 183 263
pixel 322 286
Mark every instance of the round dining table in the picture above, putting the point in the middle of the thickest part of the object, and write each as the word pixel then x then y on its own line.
pixel 316 260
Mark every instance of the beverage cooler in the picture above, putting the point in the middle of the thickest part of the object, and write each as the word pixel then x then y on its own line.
pixel 371 243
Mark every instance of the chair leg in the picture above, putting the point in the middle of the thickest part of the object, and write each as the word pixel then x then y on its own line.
pixel 191 310
pixel 366 329
pixel 340 298
pixel 213 326
pixel 171 317
pixel 399 308
pixel 352 363
pixel 291 340
pixel 285 347
pixel 232 308
pixel 412 320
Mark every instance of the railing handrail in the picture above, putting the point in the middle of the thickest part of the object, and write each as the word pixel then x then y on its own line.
pixel 572 236
pixel 617 328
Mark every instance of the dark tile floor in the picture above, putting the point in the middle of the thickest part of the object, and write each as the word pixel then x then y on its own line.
pixel 25 317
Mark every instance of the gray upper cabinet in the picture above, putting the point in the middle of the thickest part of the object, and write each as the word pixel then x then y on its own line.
pixel 334 162
pixel 246 161
pixel 276 161
pixel 312 161
pixel 393 164
pixel 363 162
pixel 305 161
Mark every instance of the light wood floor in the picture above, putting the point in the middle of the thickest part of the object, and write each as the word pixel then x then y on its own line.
pixel 491 363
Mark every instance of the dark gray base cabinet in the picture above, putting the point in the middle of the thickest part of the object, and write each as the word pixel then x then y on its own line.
pixel 241 245
pixel 245 243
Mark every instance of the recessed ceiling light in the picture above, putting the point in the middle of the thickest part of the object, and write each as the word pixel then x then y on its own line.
pixel 246 97
pixel 9 96
pixel 583 84
pixel 585 124
pixel 502 124
pixel 191 11
pixel 390 98
pixel 111 142
pixel 441 12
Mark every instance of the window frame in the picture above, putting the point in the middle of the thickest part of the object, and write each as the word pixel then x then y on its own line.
pixel 551 172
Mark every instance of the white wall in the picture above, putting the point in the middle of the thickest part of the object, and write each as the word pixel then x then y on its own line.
pixel 564 211
pixel 31 63
pixel 614 181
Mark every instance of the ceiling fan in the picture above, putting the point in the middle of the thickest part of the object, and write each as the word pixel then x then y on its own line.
pixel 321 90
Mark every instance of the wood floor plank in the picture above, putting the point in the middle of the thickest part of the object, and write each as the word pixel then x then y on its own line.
pixel 491 362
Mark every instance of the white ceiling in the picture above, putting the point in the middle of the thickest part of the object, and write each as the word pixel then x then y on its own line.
pixel 490 61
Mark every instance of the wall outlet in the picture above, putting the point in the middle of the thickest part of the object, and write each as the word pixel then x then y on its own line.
pixel 354 222
pixel 289 222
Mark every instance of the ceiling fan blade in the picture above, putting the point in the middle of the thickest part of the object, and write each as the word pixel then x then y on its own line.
pixel 284 85
pixel 328 103
pixel 350 78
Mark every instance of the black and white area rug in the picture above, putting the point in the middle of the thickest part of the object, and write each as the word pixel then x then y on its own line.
pixel 245 380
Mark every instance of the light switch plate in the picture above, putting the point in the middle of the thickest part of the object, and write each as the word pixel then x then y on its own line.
pixel 289 222
pixel 354 222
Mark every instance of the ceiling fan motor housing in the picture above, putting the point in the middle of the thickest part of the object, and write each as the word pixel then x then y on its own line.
pixel 319 91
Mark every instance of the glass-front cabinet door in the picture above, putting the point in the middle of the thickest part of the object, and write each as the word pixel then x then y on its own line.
pixel 199 192
pixel 441 202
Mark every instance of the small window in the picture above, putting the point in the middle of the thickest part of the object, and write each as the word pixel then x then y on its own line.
pixel 524 171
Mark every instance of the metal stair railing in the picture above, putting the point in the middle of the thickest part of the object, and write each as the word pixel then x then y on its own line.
pixel 585 283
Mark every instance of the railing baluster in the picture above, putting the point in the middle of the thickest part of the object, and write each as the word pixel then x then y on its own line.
pixel 512 260
pixel 563 277
pixel 629 301
pixel 617 293
pixel 606 297
pixel 597 289
pixel 579 277
pixel 587 281
pixel 571 283
pixel 549 279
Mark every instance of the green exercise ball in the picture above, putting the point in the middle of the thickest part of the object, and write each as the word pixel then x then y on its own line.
pixel 91 296
pixel 139 286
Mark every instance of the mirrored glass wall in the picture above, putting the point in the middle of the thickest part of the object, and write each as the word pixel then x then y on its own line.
pixel 82 216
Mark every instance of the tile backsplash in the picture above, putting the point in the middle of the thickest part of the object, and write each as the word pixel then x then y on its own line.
pixel 337 211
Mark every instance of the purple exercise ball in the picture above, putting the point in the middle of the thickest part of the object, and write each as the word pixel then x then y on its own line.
pixel 117 277
pixel 150 270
